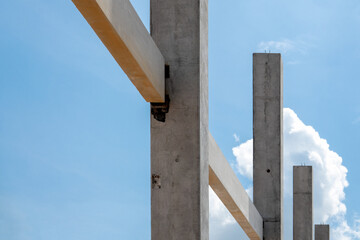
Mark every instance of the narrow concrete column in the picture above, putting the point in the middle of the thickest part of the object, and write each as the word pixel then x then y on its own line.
pixel 267 131
pixel 322 232
pixel 302 203
pixel 179 146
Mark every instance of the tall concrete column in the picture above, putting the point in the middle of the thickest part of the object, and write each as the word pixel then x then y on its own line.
pixel 267 131
pixel 322 232
pixel 302 203
pixel 179 146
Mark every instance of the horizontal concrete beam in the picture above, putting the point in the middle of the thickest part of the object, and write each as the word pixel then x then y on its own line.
pixel 121 30
pixel 228 188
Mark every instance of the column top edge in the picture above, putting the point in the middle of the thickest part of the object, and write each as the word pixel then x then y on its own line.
pixel 267 54
pixel 301 166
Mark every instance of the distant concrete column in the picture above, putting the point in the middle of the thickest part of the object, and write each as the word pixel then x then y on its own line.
pixel 179 146
pixel 267 131
pixel 302 203
pixel 322 232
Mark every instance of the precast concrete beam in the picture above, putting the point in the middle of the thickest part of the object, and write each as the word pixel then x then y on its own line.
pixel 228 188
pixel 179 146
pixel 322 232
pixel 302 203
pixel 268 142
pixel 121 30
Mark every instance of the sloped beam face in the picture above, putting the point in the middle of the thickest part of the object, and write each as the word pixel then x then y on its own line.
pixel 120 29
pixel 228 188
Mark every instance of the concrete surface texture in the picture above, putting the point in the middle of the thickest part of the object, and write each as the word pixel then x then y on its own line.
pixel 268 142
pixel 302 203
pixel 228 188
pixel 179 146
pixel 121 30
pixel 322 232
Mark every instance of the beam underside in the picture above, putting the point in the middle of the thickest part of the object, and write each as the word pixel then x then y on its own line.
pixel 228 188
pixel 121 30
pixel 302 203
pixel 267 131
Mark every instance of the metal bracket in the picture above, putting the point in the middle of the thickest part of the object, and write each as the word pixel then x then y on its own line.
pixel 159 110
pixel 155 181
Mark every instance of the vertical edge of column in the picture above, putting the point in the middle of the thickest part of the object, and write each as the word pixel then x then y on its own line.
pixel 302 202
pixel 179 146
pixel 268 141
pixel 204 121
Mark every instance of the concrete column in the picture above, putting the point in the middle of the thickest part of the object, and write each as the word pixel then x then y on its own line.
pixel 179 146
pixel 322 232
pixel 267 131
pixel 302 203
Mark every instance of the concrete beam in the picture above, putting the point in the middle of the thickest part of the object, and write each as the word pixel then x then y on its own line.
pixel 302 203
pixel 120 29
pixel 228 188
pixel 322 232
pixel 268 142
pixel 179 146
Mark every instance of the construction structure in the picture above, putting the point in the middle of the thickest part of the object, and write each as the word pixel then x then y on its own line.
pixel 302 202
pixel 322 232
pixel 169 67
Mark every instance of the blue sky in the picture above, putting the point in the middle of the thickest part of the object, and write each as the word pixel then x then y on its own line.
pixel 74 131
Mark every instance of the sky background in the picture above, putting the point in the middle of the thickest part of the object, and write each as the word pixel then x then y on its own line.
pixel 75 136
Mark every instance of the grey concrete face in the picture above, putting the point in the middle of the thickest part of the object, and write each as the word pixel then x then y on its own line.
pixel 179 146
pixel 267 131
pixel 302 203
pixel 322 232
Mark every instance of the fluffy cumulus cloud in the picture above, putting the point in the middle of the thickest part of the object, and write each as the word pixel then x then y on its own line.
pixel 218 212
pixel 222 224
pixel 244 158
pixel 304 146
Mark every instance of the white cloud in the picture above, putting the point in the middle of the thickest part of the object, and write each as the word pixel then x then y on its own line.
pixel 277 46
pixel 244 158
pixel 222 224
pixel 218 212
pixel 284 46
pixel 344 232
pixel 236 137
pixel 303 145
